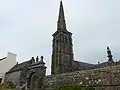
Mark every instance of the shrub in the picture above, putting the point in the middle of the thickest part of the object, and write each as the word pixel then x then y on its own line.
pixel 74 87
pixel 7 85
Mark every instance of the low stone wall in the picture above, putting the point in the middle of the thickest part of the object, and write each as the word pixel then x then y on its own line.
pixel 10 89
pixel 103 79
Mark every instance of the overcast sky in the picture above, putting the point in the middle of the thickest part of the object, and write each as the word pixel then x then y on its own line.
pixel 26 28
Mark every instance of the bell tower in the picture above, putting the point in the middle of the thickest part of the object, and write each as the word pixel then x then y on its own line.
pixel 62 51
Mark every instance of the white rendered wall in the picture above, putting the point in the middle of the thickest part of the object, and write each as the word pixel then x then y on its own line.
pixel 7 64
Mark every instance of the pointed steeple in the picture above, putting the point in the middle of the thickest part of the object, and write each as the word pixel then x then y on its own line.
pixel 109 54
pixel 62 52
pixel 61 18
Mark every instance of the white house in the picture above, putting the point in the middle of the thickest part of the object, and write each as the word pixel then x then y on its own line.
pixel 6 64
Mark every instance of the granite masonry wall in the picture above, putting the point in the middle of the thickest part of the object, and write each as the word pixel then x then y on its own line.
pixel 102 79
pixel 14 77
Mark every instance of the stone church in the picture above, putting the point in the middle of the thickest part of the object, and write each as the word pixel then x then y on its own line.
pixel 62 53
pixel 30 74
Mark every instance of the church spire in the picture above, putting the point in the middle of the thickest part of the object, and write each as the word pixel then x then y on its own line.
pixel 62 52
pixel 109 54
pixel 61 18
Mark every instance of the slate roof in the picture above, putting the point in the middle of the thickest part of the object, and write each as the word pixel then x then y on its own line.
pixel 18 67
pixel 76 64
pixel 3 58
pixel 21 66
pixel 84 65
pixel 101 65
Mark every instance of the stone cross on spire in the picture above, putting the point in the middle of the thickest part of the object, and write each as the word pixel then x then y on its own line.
pixel 61 18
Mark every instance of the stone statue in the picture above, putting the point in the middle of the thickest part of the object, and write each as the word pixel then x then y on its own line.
pixel 42 58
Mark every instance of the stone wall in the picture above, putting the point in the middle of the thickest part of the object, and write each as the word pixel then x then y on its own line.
pixel 14 77
pixel 102 79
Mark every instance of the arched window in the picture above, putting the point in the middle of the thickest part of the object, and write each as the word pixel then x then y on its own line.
pixel 66 39
pixel 61 38
pixel 56 42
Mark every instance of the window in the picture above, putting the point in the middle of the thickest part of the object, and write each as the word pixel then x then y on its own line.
pixel 61 37
pixel 57 42
pixel 66 39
